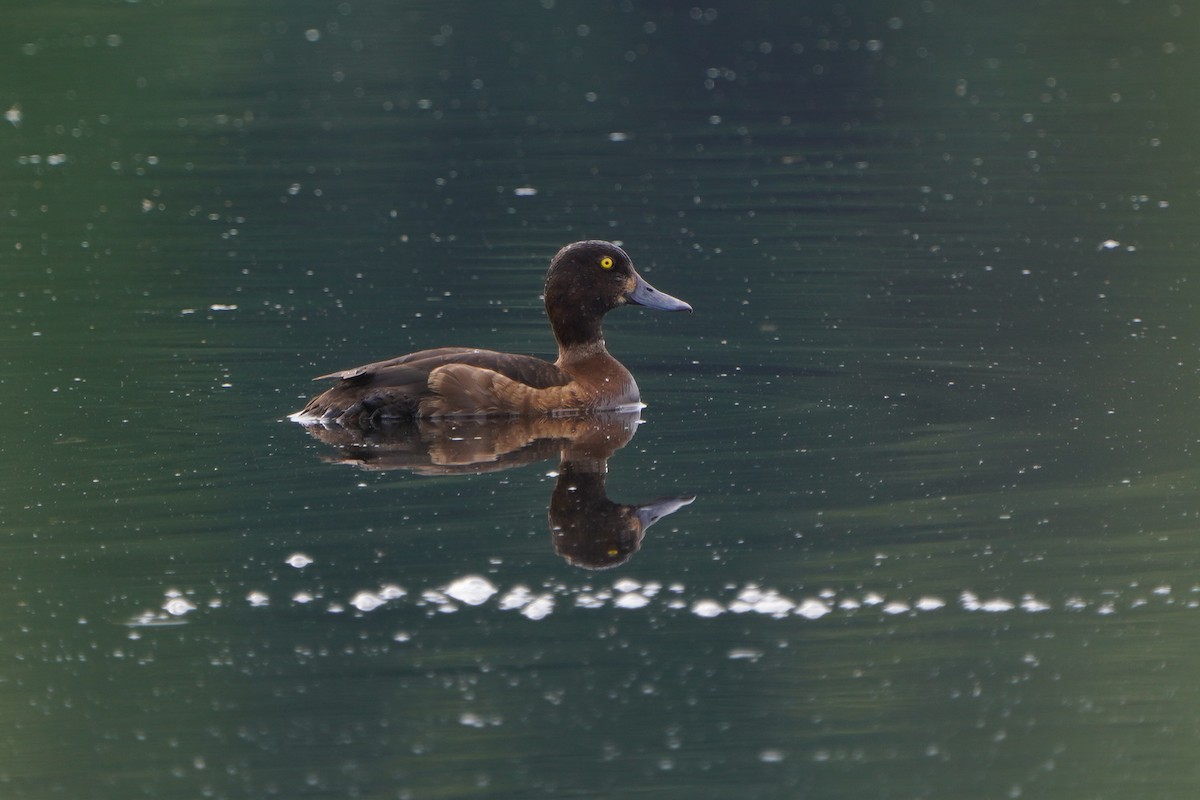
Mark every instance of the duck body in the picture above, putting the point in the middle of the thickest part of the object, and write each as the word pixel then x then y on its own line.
pixel 586 280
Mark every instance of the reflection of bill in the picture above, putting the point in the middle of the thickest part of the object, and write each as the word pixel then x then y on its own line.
pixel 592 531
pixel 589 529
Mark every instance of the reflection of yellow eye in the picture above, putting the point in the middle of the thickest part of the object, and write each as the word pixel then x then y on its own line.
pixel 606 263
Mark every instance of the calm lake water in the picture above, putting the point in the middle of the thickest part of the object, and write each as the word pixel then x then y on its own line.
pixel 936 404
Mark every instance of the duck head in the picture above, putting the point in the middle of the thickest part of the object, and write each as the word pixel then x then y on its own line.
pixel 590 278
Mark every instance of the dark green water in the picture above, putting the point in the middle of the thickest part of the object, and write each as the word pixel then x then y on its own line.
pixel 936 403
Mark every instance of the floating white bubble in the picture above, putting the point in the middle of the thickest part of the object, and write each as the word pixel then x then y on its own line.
pixel 707 609
pixel 517 597
pixel 631 600
pixel 539 608
pixel 367 601
pixel 474 590
pixel 812 608
pixel 178 606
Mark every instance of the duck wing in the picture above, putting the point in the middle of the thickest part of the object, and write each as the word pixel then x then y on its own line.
pixel 421 355
pixel 533 372
pixel 396 387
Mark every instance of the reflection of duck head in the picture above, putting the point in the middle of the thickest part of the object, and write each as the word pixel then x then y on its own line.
pixel 589 530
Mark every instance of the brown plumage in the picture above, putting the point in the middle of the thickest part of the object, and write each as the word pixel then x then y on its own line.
pixel 586 280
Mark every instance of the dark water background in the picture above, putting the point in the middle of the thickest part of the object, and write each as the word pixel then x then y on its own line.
pixel 937 401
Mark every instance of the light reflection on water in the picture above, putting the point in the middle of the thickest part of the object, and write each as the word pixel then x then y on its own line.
pixel 656 597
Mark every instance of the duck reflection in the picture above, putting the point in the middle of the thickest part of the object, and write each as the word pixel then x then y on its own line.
pixel 588 529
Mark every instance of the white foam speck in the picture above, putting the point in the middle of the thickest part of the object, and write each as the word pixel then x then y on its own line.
pixel 872 599
pixel 707 609
pixel 812 609
pixel 473 590
pixel 540 607
pixel 626 585
pixel 971 602
pixel 631 600
pixel 302 597
pixel 929 603
pixel 367 601
pixel 178 606
pixel 517 597
pixel 472 720
pixel 390 591
pixel 997 605
pixel 298 560
pixel 587 600
pixel 258 599
pixel 771 756
pixel 1033 605
pixel 433 597
pixel 149 619
pixel 773 604
pixel 896 607
pixel 525 191
pixel 750 594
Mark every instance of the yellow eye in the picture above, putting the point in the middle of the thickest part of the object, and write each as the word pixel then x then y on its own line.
pixel 606 263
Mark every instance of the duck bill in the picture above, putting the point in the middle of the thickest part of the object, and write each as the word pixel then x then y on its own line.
pixel 644 294
pixel 650 513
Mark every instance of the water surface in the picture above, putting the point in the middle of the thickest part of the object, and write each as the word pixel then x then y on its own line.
pixel 935 404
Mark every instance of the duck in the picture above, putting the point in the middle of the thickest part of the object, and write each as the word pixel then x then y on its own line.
pixel 585 281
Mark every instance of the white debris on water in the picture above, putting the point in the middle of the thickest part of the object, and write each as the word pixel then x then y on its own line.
pixel 631 600
pixel 668 600
pixel 539 608
pixel 367 601
pixel 745 654
pixel 812 608
pixel 176 604
pixel 517 597
pixel 929 603
pixel 474 590
pixel 1033 605
pixel 707 609
pixel 298 560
